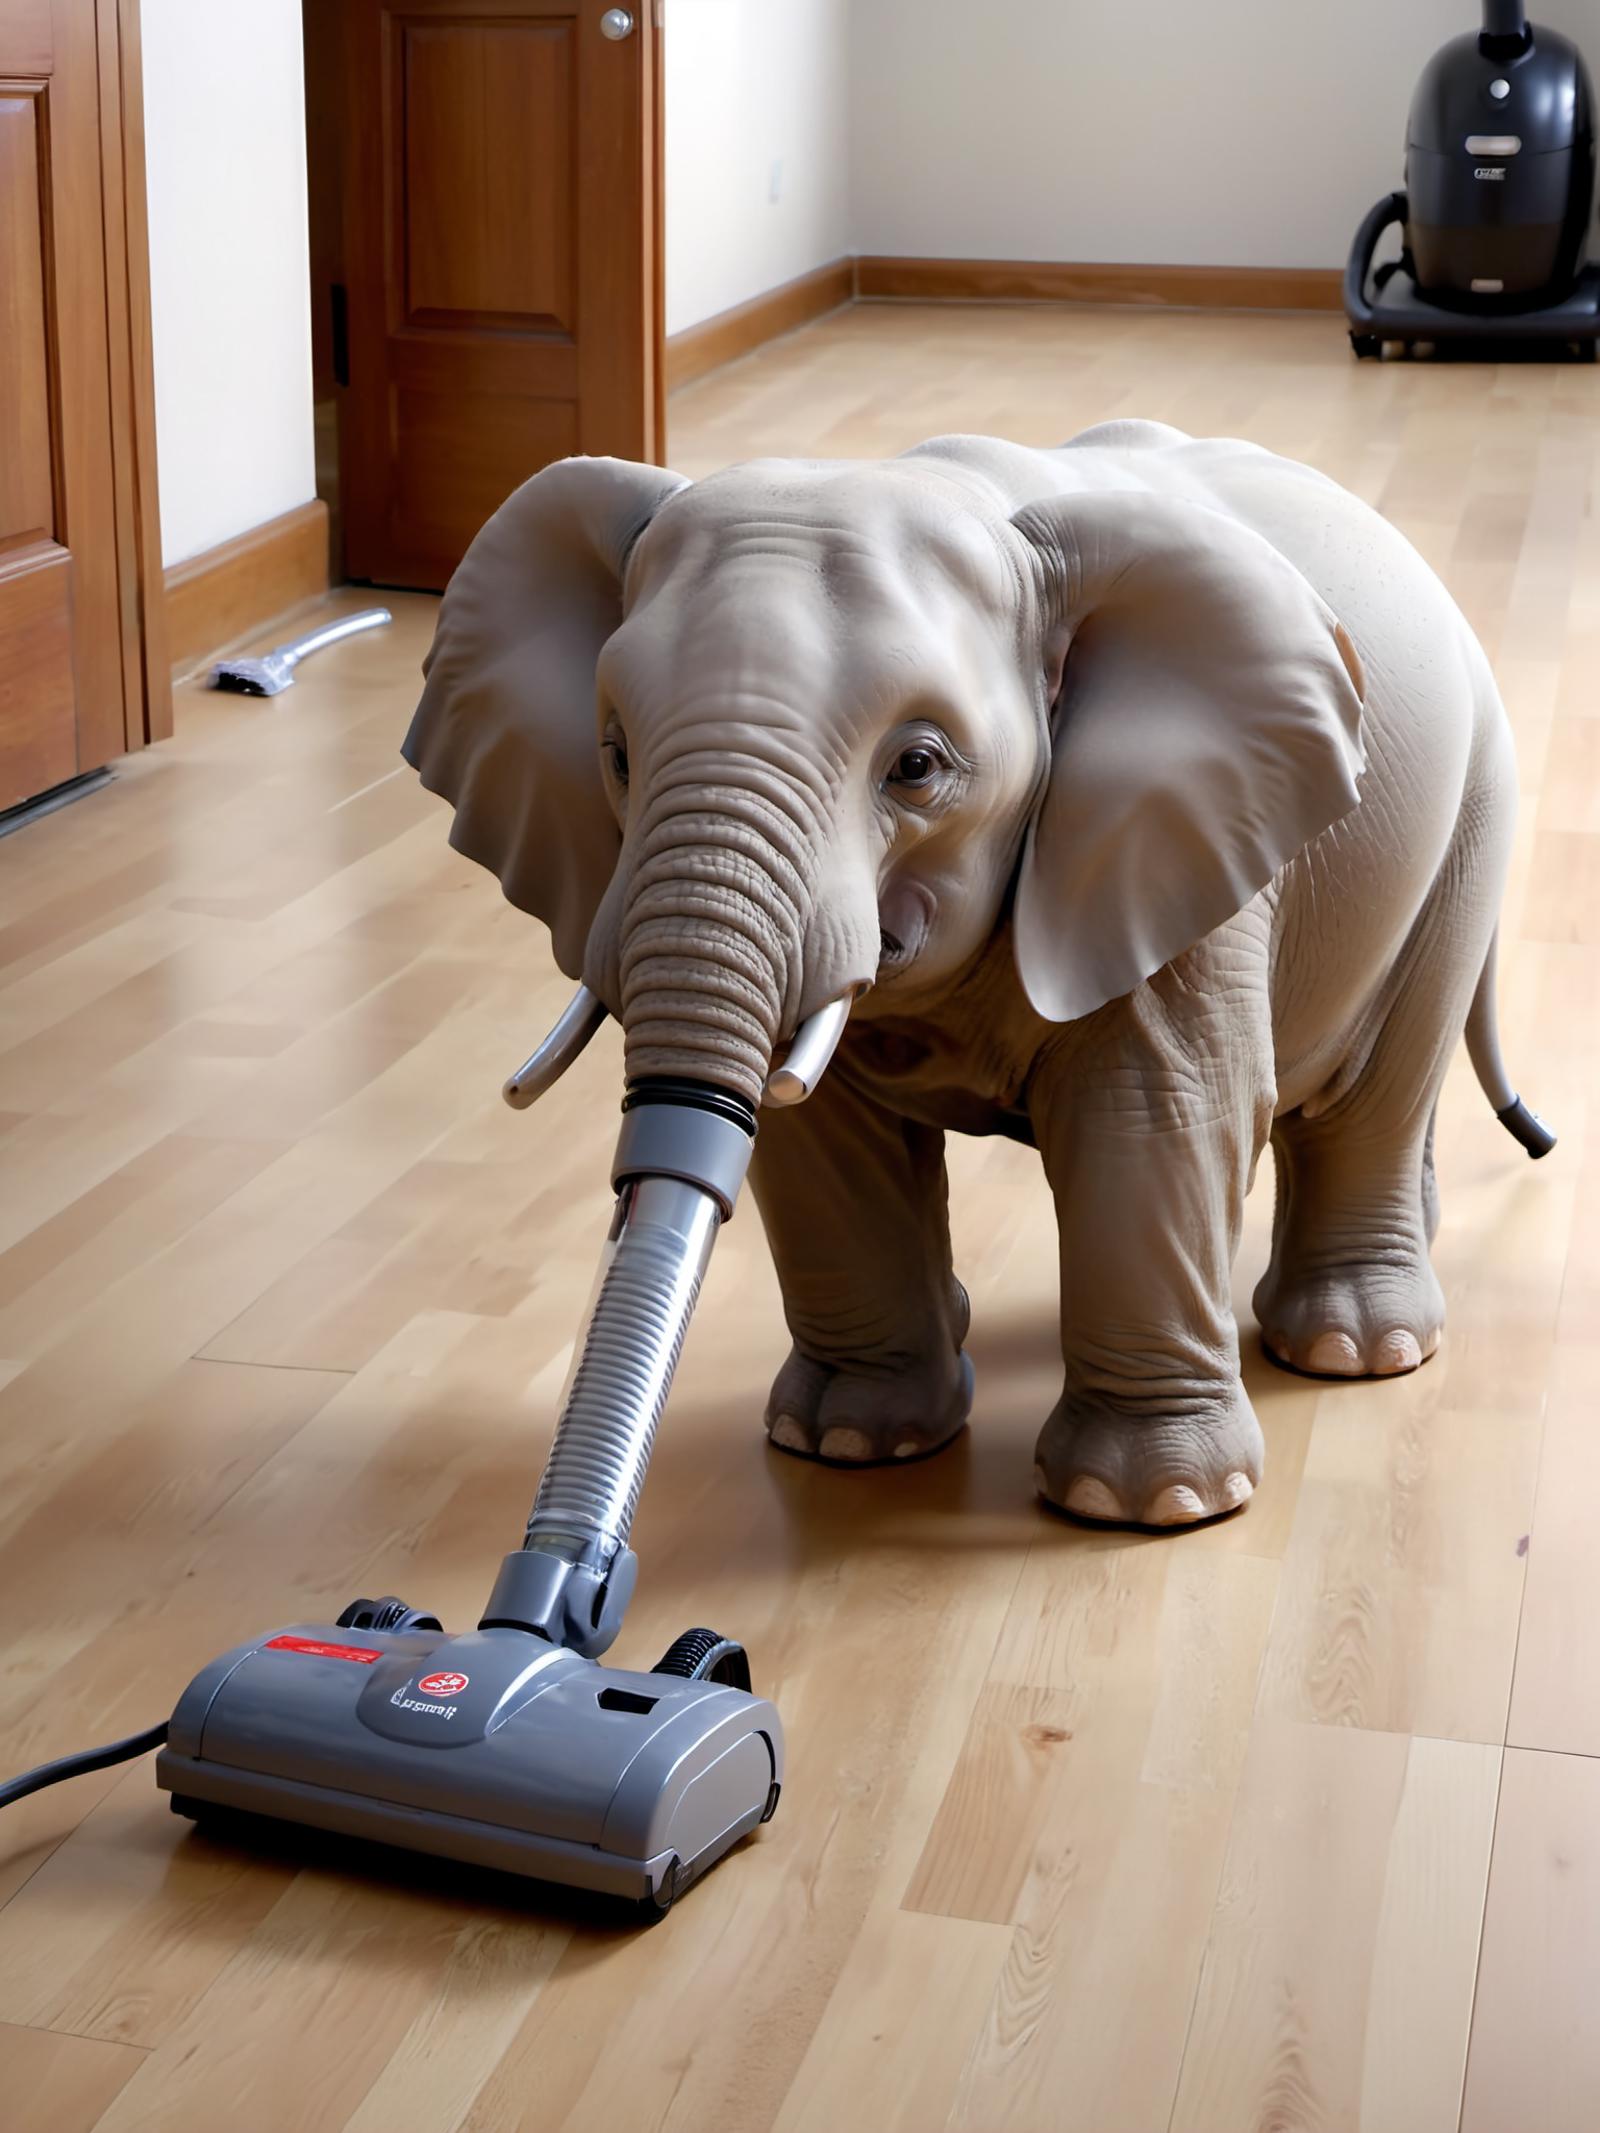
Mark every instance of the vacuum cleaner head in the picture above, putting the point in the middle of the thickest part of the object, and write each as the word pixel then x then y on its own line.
pixel 494 1747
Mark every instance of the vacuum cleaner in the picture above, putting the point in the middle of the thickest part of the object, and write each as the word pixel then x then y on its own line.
pixel 508 1745
pixel 1499 175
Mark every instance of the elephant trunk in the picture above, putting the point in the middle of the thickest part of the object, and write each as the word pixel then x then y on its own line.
pixel 717 908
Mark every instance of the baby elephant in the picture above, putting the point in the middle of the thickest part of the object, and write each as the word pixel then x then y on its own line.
pixel 1152 801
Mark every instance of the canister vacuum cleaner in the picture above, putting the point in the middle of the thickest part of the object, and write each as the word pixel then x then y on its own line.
pixel 509 1746
pixel 1499 198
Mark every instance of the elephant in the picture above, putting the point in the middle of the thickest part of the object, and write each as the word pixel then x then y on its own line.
pixel 1149 801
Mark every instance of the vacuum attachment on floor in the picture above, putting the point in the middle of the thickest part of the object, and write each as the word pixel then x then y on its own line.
pixel 273 672
pixel 510 1746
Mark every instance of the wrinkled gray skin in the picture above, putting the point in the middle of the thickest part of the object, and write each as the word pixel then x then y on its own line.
pixel 1171 892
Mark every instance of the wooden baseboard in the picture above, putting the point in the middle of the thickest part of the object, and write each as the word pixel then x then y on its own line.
pixel 239 587
pixel 718 340
pixel 1058 282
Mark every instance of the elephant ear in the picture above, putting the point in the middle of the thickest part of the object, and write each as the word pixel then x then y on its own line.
pixel 506 727
pixel 1207 727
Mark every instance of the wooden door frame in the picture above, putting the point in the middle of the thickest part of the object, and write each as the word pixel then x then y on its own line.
pixel 146 673
pixel 323 52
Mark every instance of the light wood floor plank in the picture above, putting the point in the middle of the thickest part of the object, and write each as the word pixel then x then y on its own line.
pixel 55 2084
pixel 880 2059
pixel 1357 1860
pixel 1154 1655
pixel 104 1571
pixel 1535 2057
pixel 1403 1579
pixel 1556 1698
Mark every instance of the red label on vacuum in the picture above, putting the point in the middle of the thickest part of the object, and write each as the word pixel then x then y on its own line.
pixel 358 1652
pixel 442 1684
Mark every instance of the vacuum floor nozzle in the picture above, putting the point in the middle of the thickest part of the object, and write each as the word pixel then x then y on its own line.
pixel 495 1747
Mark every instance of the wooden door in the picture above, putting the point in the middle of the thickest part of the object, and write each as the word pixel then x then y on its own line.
pixel 61 650
pixel 495 303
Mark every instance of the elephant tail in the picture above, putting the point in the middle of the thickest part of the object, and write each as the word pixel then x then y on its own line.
pixel 1483 1049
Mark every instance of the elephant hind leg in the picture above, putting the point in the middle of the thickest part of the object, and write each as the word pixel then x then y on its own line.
pixel 1351 1290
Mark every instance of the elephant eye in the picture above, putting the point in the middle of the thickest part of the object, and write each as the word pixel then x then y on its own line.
pixel 915 768
pixel 616 756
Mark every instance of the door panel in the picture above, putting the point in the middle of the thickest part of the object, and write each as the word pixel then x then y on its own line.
pixel 61 677
pixel 497 245
pixel 38 722
pixel 488 130
pixel 38 711
pixel 456 453
pixel 26 489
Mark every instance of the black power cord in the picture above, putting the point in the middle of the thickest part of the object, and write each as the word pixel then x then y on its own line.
pixel 71 1766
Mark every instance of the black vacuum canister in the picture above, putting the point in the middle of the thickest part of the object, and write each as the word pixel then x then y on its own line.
pixel 1500 167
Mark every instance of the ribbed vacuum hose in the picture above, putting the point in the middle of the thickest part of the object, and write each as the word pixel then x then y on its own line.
pixel 681 1159
pixel 658 1255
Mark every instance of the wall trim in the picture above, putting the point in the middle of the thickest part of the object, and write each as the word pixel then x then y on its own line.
pixel 715 341
pixel 238 587
pixel 1053 281
pixel 871 278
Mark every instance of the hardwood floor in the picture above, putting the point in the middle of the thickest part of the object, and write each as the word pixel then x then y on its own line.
pixel 1288 1823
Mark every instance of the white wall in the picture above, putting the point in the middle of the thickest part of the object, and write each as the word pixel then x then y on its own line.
pixel 753 88
pixel 1213 132
pixel 224 115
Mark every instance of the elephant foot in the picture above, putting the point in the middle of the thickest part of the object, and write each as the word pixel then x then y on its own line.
pixel 1135 1468
pixel 1373 1320
pixel 845 1417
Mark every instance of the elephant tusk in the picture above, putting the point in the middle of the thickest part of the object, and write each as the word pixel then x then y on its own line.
pixel 815 1042
pixel 578 1022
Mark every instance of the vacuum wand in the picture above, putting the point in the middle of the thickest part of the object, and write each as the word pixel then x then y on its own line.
pixel 681 1159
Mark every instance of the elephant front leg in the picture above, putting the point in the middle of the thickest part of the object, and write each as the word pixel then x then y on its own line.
pixel 854 1202
pixel 1149 1133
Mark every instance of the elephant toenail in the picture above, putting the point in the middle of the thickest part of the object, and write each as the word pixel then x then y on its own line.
pixel 1397 1351
pixel 1237 1489
pixel 847 1444
pixel 1334 1355
pixel 787 1433
pixel 1175 1506
pixel 908 1450
pixel 1090 1498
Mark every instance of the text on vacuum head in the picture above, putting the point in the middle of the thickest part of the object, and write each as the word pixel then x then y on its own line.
pixel 404 1702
